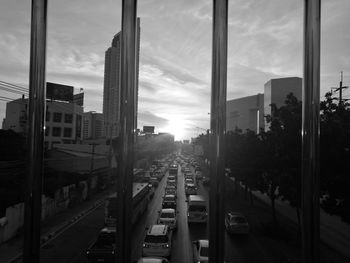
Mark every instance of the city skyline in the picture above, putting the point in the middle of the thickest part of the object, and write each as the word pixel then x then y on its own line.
pixel 175 52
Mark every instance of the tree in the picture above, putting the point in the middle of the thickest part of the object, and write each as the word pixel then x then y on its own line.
pixel 335 156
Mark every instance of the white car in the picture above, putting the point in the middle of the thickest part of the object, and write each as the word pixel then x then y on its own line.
pixel 152 260
pixel 236 223
pixel 157 242
pixel 168 216
pixel 201 251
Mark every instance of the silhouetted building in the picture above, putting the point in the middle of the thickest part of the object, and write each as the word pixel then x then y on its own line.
pixel 111 89
pixel 276 91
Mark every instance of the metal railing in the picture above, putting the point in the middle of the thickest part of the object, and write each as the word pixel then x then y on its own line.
pixel 310 131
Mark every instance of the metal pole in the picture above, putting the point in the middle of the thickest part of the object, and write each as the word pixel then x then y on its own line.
pixel 218 127
pixel 126 150
pixel 311 133
pixel 35 141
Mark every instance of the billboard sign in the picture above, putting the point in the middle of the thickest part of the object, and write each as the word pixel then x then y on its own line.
pixel 148 129
pixel 60 92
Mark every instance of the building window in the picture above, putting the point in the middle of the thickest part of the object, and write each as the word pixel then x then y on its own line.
pixel 68 118
pixel 48 116
pixel 67 132
pixel 56 131
pixel 47 131
pixel 57 116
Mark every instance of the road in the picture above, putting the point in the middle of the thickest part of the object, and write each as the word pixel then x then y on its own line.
pixel 256 247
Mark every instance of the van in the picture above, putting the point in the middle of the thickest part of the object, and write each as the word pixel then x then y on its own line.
pixel 196 209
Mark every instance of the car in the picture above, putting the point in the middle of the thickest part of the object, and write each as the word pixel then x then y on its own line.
pixel 168 216
pixel 189 181
pixel 171 183
pixel 190 189
pixel 199 175
pixel 172 178
pixel 236 223
pixel 171 190
pixel 103 249
pixel 154 181
pixel 206 181
pixel 158 241
pixel 152 260
pixel 169 201
pixel 200 251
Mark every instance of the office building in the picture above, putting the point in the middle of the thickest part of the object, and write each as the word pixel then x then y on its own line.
pixel 276 91
pixel 111 89
pixel 245 113
pixel 63 121
pixel 93 125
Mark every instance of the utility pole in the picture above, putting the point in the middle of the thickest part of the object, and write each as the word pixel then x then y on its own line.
pixel 340 89
pixel 92 158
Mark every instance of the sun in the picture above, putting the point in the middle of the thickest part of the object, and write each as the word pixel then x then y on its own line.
pixel 176 127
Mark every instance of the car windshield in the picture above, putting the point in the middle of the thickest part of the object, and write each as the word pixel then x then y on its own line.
pixel 105 241
pixel 204 252
pixel 156 239
pixel 167 215
pixel 168 199
pixel 197 208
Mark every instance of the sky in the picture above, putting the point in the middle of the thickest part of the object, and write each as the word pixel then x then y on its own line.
pixel 264 42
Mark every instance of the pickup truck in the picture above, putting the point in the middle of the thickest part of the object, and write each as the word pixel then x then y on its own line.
pixel 103 248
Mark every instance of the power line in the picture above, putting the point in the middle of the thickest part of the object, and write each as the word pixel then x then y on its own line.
pixel 13 85
pixel 11 90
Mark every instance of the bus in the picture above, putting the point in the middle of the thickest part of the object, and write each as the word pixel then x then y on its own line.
pixel 140 199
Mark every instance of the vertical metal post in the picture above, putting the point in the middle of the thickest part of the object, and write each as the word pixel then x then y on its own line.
pixel 311 133
pixel 127 122
pixel 35 140
pixel 217 136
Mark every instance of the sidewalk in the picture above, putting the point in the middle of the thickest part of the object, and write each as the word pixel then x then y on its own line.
pixel 10 249
pixel 333 232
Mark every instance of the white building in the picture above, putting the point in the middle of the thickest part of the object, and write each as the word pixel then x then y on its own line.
pixel 245 113
pixel 63 121
pixel 248 112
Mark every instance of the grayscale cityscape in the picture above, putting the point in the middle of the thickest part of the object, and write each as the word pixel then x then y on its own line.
pixel 162 131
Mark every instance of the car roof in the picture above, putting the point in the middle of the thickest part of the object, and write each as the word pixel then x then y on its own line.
pixel 158 230
pixel 168 210
pixel 108 230
pixel 171 196
pixel 152 260
pixel 191 185
pixel 204 242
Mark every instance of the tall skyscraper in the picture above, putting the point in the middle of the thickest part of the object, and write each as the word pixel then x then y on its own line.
pixel 111 89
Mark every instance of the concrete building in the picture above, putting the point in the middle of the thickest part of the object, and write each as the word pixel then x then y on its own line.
pixel 245 113
pixel 276 91
pixel 111 89
pixel 63 121
pixel 93 125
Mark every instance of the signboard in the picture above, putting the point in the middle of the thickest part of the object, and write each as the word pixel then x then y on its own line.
pixel 148 129
pixel 60 92
pixel 78 99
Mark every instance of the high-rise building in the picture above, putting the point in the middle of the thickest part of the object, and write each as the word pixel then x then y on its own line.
pixel 111 90
pixel 93 125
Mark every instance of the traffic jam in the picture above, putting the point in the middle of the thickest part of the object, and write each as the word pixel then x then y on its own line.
pixel 158 238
